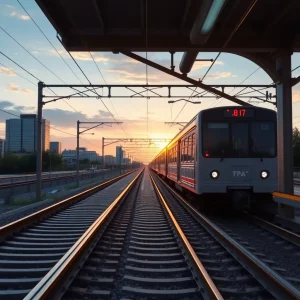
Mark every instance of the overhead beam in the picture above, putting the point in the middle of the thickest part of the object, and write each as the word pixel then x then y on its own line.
pixel 295 80
pixel 185 78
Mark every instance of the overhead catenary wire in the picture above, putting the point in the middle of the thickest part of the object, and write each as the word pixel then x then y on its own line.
pixel 39 61
pixel 39 28
pixel 35 78
pixel 103 80
pixel 18 74
pixel 239 84
pixel 31 54
pixel 211 65
pixel 20 66
pixel 97 93
pixel 30 72
pixel 184 105
pixel 52 127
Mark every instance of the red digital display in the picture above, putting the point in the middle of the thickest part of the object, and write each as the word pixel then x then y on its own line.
pixel 238 113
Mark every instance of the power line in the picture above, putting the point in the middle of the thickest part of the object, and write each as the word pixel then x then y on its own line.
pixel 18 74
pixel 184 105
pixel 98 68
pixel 96 92
pixel 19 66
pixel 79 67
pixel 296 68
pixel 211 66
pixel 48 40
pixel 239 84
pixel 54 128
pixel 31 54
pixel 37 79
pixel 44 67
pixel 103 80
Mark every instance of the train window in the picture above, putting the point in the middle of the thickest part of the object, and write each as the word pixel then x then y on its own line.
pixel 216 139
pixel 263 139
pixel 240 139
pixel 194 146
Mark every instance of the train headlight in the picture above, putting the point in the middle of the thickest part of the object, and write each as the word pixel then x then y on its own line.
pixel 214 174
pixel 264 174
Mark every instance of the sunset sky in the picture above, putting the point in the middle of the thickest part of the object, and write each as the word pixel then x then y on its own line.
pixel 17 95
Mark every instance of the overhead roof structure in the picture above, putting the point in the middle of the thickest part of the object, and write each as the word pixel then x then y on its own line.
pixel 120 25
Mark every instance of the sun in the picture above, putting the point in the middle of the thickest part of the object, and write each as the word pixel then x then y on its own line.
pixel 161 145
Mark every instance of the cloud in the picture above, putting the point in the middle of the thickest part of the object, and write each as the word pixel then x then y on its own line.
pixel 7 71
pixel 9 6
pixel 13 87
pixel 85 56
pixel 203 64
pixel 27 91
pixel 219 75
pixel 137 75
pixel 6 104
pixel 19 16
pixel 16 89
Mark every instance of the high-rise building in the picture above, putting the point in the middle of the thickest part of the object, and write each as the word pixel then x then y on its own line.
pixel 55 147
pixel 21 134
pixel 119 155
pixel 2 143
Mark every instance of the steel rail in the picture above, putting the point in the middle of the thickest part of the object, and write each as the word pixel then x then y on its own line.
pixel 45 179
pixel 279 231
pixel 275 284
pixel 208 288
pixel 24 183
pixel 48 211
pixel 55 279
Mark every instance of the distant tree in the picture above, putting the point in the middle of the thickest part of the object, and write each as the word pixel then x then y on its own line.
pixel 26 163
pixel 56 161
pixel 9 164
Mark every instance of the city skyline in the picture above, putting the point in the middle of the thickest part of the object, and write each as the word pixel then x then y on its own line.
pixel 20 96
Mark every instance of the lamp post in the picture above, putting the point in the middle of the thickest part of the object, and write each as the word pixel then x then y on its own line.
pixel 77 152
pixel 81 132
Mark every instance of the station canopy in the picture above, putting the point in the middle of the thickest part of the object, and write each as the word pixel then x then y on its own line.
pixel 236 26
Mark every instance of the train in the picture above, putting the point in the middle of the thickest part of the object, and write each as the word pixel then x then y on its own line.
pixel 227 153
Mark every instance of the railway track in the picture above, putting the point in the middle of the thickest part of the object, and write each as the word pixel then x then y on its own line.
pixel 44 180
pixel 31 246
pixel 238 270
pixel 150 244
pixel 276 247
pixel 139 253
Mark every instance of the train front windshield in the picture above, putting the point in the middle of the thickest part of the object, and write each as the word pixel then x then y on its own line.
pixel 231 138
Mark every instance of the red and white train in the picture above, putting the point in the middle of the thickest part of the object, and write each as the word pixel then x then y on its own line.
pixel 227 150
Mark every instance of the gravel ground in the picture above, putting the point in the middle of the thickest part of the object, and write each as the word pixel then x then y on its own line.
pixel 281 255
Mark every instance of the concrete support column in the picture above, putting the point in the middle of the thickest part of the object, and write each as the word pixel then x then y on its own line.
pixel 285 131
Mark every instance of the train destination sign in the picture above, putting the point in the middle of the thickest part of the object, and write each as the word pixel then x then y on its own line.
pixel 238 113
